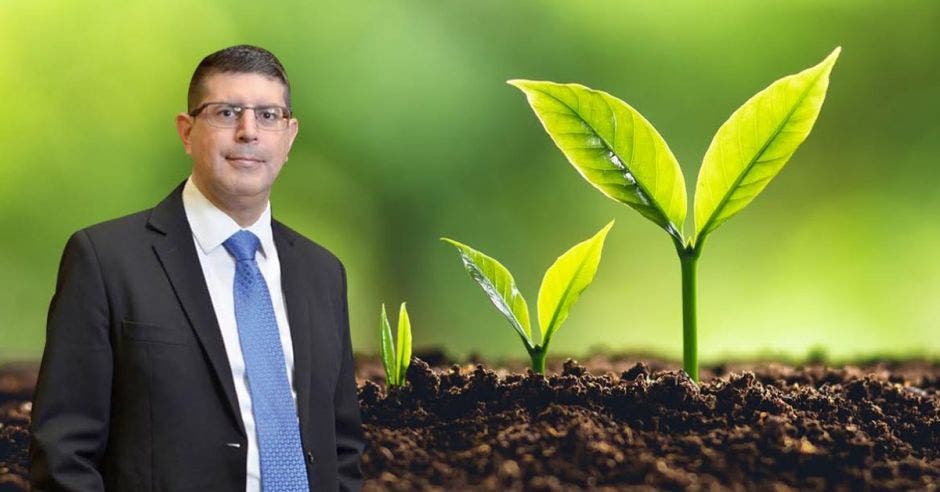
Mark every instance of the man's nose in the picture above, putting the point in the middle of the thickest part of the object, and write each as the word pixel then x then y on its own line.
pixel 247 129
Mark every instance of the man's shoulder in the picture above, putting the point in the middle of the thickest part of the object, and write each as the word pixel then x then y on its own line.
pixel 306 246
pixel 118 240
pixel 120 227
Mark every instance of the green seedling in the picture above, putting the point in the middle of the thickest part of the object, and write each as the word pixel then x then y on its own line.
pixel 562 285
pixel 395 361
pixel 619 152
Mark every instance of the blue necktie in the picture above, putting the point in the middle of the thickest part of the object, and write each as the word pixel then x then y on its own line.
pixel 282 459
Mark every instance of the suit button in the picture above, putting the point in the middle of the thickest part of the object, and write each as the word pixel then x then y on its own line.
pixel 309 457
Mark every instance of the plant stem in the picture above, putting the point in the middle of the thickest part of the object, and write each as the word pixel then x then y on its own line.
pixel 688 257
pixel 538 360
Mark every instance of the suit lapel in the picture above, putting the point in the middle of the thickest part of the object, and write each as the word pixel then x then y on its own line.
pixel 298 314
pixel 177 254
pixel 307 290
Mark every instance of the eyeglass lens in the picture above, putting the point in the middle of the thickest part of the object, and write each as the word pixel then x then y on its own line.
pixel 227 115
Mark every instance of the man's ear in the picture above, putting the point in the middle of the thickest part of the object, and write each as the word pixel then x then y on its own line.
pixel 184 125
pixel 292 127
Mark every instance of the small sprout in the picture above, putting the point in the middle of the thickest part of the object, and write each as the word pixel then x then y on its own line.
pixel 561 287
pixel 395 361
pixel 619 152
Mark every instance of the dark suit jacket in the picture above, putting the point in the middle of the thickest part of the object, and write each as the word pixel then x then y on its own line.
pixel 135 391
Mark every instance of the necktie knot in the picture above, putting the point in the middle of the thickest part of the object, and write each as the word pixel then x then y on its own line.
pixel 242 245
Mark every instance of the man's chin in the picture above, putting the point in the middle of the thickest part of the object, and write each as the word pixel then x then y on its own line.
pixel 250 187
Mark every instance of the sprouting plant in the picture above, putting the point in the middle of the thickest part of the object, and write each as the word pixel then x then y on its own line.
pixel 395 361
pixel 620 153
pixel 562 285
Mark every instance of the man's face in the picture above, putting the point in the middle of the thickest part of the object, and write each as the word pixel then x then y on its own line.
pixel 237 165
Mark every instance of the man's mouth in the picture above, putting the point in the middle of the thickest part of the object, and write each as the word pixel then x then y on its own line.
pixel 243 159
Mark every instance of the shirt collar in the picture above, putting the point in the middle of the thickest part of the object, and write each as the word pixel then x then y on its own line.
pixel 211 226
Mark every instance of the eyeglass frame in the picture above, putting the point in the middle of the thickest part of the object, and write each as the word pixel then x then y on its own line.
pixel 288 114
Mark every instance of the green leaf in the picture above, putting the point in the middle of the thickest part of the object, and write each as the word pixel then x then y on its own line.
pixel 566 279
pixel 404 344
pixel 499 287
pixel 387 350
pixel 613 147
pixel 755 143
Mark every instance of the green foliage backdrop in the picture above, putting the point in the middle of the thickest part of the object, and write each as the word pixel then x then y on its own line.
pixel 409 133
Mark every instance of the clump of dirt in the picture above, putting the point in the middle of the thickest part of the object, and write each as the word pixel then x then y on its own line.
pixel 620 422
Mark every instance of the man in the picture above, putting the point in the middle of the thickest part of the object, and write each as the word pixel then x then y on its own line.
pixel 202 345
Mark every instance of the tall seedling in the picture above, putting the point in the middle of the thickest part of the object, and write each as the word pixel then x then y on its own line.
pixel 620 153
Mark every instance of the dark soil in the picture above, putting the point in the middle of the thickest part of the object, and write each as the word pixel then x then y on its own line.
pixel 16 390
pixel 621 423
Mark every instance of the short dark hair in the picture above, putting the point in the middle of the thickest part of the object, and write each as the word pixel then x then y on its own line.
pixel 237 59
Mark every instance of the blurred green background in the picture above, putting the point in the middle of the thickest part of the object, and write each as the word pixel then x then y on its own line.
pixel 409 133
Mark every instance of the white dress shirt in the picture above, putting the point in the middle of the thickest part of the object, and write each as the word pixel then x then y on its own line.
pixel 211 227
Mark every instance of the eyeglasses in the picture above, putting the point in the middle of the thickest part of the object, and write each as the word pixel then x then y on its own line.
pixel 226 115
